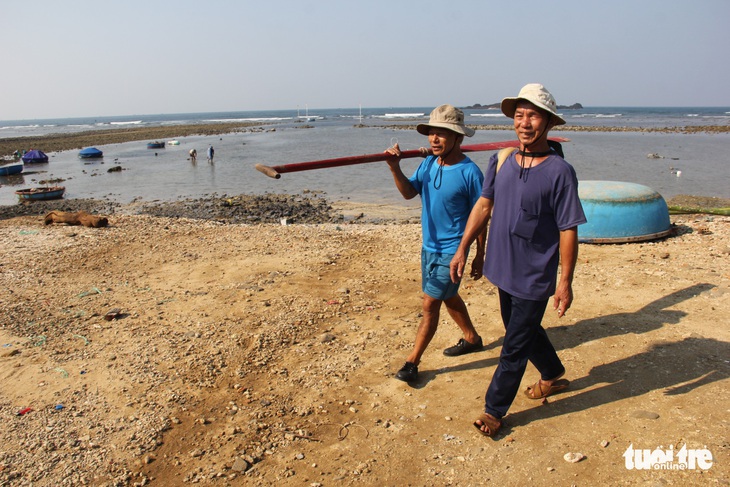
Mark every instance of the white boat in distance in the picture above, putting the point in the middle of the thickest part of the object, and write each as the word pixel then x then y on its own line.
pixel 307 117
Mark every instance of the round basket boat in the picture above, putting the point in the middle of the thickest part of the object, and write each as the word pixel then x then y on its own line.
pixel 619 212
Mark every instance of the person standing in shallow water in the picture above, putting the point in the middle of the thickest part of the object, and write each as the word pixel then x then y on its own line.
pixel 211 153
pixel 449 184
pixel 532 200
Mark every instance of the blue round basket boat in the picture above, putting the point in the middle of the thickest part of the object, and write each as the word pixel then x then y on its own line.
pixel 619 212
pixel 90 153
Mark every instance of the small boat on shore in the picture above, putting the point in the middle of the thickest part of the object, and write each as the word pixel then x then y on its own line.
pixel 35 156
pixel 90 153
pixel 11 169
pixel 173 142
pixel 620 212
pixel 38 194
pixel 156 145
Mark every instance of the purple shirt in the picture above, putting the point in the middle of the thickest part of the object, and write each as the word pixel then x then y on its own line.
pixel 528 214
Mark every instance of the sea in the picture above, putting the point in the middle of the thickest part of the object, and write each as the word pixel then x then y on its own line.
pixel 669 163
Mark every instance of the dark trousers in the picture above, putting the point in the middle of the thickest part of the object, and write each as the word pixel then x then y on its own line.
pixel 524 339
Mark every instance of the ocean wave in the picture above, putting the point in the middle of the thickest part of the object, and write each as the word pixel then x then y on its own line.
pixel 400 115
pixel 255 119
pixel 21 127
pixel 596 115
pixel 488 115
pixel 135 122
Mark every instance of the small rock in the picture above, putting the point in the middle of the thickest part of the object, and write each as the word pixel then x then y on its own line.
pixel 240 465
pixel 326 338
pixel 573 457
pixel 604 443
pixel 112 314
pixel 640 414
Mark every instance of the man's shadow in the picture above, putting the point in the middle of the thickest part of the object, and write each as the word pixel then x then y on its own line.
pixel 677 367
pixel 651 317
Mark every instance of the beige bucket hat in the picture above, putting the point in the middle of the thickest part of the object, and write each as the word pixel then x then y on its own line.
pixel 446 117
pixel 536 94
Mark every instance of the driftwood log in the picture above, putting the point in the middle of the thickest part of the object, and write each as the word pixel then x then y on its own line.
pixel 76 218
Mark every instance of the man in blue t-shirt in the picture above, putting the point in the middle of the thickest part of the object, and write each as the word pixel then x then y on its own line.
pixel 449 184
pixel 533 203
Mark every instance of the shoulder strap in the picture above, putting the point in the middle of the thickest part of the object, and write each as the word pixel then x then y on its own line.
pixel 502 156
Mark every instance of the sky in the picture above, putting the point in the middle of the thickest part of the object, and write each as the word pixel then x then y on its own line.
pixel 81 58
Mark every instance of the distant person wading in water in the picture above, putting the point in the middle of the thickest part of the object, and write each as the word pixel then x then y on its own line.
pixel 211 152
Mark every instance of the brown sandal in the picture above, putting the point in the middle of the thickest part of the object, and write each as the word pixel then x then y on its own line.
pixel 489 422
pixel 544 388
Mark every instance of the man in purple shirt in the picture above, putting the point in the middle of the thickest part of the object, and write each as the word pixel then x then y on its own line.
pixel 532 200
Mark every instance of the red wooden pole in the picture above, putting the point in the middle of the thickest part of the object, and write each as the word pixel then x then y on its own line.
pixel 276 171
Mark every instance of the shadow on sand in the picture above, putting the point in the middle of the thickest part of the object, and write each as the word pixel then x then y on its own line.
pixel 677 367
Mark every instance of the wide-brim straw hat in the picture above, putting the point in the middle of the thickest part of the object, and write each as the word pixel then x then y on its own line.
pixel 536 94
pixel 446 117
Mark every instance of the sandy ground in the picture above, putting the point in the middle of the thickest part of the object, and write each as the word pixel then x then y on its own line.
pixel 265 354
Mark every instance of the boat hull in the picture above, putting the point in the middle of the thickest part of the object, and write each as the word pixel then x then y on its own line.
pixel 38 194
pixel 156 145
pixel 11 169
pixel 619 212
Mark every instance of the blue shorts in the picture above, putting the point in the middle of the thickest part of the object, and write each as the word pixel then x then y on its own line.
pixel 436 276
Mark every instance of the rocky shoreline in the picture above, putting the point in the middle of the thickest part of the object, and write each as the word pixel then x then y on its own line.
pixel 251 209
pixel 272 208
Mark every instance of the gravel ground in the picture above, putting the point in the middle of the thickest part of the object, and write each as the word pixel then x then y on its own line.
pixel 264 354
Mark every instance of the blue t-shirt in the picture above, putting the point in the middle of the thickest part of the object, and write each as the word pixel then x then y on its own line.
pixel 528 214
pixel 448 194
